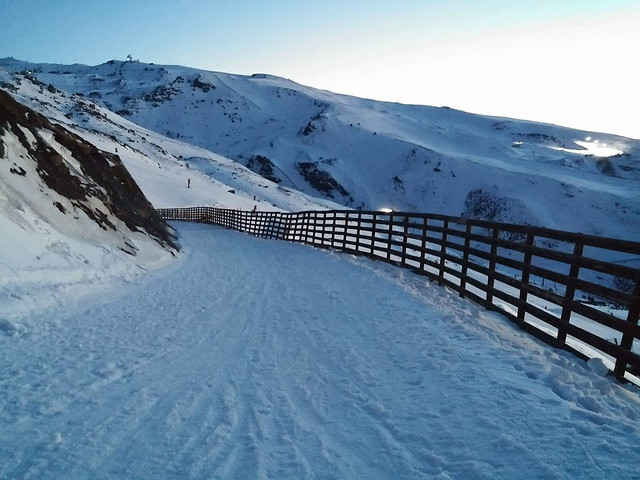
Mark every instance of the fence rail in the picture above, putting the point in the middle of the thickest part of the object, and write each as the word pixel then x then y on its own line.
pixel 574 291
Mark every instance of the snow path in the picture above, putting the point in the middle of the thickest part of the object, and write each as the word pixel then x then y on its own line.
pixel 253 358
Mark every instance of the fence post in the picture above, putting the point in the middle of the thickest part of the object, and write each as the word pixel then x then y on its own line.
pixel 403 259
pixel 324 228
pixel 569 294
pixel 524 279
pixel 358 231
pixel 465 260
pixel 307 226
pixel 390 235
pixel 443 251
pixel 374 227
pixel 333 230
pixel 627 337
pixel 492 264
pixel 423 250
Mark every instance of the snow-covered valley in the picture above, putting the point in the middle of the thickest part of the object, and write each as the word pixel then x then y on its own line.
pixel 235 362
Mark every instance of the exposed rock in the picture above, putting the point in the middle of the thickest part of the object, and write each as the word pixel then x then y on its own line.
pixel 486 205
pixel 263 166
pixel 321 180
pixel 312 125
pixel 606 166
pixel 104 176
pixel 197 82
pixel 9 86
pixel 18 170
pixel 161 94
pixel 60 207
pixel 308 129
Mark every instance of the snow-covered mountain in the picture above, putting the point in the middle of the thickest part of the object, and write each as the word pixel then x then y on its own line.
pixel 69 213
pixel 52 240
pixel 170 172
pixel 250 358
pixel 364 153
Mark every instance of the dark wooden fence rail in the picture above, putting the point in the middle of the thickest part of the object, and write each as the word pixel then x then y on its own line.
pixel 574 291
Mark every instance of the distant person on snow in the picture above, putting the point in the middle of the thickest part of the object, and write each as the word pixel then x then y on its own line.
pixel 188 183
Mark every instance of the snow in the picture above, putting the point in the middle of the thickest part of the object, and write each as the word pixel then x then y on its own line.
pixel 49 257
pixel 405 157
pixel 252 358
pixel 162 166
pixel 249 358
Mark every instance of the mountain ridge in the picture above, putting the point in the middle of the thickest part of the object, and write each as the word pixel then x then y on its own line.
pixel 368 154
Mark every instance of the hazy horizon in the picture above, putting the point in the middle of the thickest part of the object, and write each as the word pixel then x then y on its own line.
pixel 565 64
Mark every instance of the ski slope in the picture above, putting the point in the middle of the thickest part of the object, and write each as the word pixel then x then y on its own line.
pixel 252 358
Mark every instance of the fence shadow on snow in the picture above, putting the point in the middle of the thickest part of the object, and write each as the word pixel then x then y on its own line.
pixel 573 291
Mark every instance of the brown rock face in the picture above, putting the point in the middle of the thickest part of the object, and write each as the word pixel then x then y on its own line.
pixel 105 176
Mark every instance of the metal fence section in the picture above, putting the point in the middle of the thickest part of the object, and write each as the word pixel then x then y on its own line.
pixel 574 291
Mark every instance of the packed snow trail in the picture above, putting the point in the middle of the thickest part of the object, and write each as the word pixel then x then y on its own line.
pixel 254 358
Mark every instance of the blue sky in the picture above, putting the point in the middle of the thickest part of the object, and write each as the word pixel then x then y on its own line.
pixel 562 61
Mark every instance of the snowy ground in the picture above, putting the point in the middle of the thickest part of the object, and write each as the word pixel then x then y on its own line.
pixel 252 358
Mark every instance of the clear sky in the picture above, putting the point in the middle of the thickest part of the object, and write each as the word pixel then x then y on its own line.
pixel 569 62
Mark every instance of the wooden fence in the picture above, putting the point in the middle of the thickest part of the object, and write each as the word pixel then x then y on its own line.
pixel 574 291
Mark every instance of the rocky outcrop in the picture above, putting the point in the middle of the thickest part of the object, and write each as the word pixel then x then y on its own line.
pixel 322 180
pixel 102 176
pixel 263 166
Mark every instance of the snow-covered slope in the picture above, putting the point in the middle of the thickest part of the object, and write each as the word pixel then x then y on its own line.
pixel 364 153
pixel 46 255
pixel 69 214
pixel 170 172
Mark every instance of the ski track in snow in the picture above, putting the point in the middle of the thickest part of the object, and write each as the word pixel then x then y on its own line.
pixel 254 358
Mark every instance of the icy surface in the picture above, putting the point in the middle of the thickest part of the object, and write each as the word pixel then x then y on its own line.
pixel 251 358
